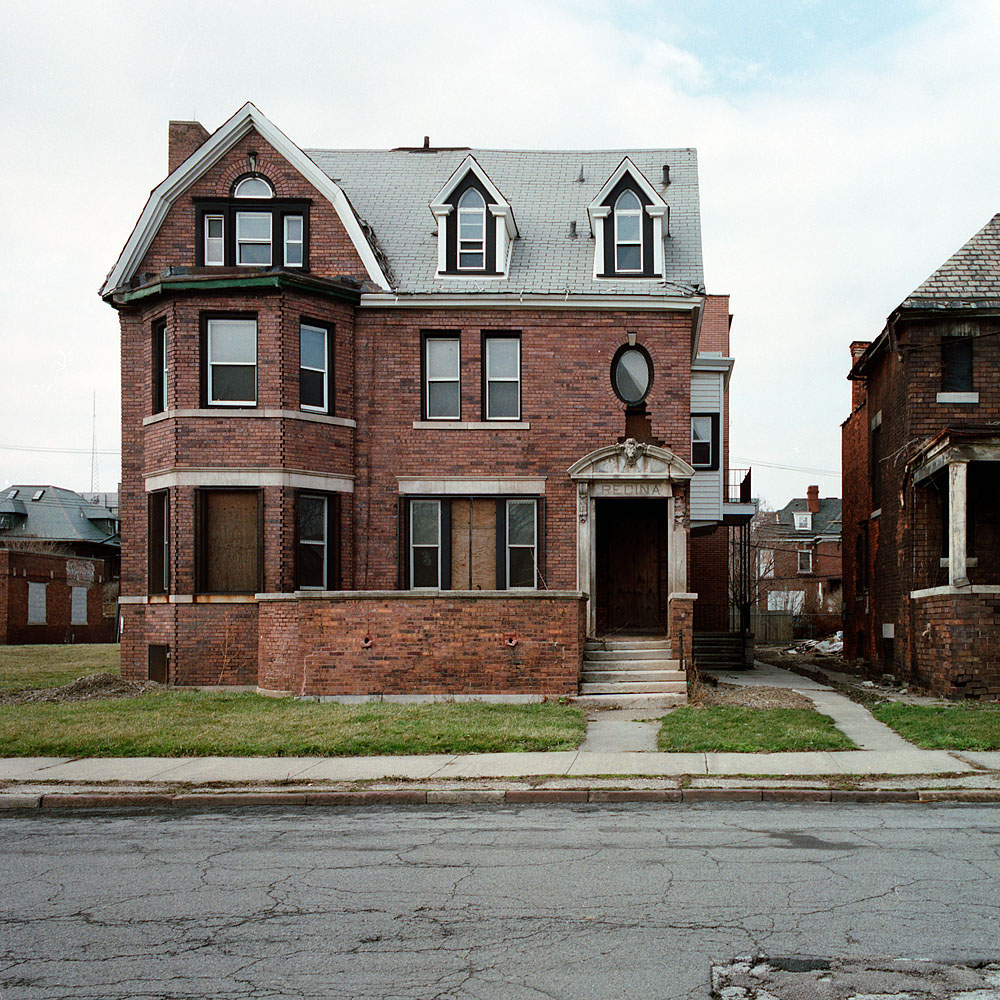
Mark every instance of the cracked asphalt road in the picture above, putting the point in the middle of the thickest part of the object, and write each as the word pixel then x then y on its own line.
pixel 526 903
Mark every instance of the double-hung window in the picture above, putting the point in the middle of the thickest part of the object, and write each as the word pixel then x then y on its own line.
pixel 471 231
pixel 502 378
pixel 231 362
pixel 253 238
pixel 442 383
pixel 522 534
pixel 314 555
pixel 805 561
pixel 159 366
pixel 315 389
pixel 294 240
pixel 425 544
pixel 956 364
pixel 215 240
pixel 705 440
pixel 628 233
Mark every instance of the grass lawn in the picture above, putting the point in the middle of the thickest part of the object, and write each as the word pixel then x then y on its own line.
pixel 194 723
pixel 961 727
pixel 51 666
pixel 735 729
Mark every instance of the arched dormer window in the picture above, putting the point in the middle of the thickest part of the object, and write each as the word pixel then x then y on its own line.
pixel 628 233
pixel 471 231
pixel 253 186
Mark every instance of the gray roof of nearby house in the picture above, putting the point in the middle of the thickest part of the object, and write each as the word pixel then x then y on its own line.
pixel 827 521
pixel 58 515
pixel 968 279
pixel 391 191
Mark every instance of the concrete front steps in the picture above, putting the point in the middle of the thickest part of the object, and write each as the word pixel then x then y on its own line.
pixel 624 672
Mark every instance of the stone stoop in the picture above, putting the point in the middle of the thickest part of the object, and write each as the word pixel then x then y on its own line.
pixel 631 672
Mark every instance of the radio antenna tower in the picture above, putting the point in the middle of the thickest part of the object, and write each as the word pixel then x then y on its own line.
pixel 94 487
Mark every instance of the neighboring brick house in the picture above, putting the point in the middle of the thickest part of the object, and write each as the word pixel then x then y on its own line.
pixel 415 421
pixel 922 482
pixel 799 559
pixel 59 557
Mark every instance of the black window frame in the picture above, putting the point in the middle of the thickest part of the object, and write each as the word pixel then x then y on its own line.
pixel 957 360
pixel 203 320
pixel 485 338
pixel 160 358
pixel 200 538
pixel 627 183
pixel 713 464
pixel 278 208
pixel 425 337
pixel 328 329
pixel 158 542
pixel 451 230
pixel 331 541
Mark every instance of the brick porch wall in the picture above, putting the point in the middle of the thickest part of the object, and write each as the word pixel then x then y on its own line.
pixel 453 644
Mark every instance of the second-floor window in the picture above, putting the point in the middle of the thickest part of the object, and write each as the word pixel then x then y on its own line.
pixel 805 561
pixel 231 361
pixel 502 378
pixel 159 366
pixel 705 440
pixel 956 364
pixel 442 381
pixel 315 367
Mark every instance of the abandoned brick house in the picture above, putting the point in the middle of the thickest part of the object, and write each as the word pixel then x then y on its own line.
pixel 922 482
pixel 416 421
pixel 799 558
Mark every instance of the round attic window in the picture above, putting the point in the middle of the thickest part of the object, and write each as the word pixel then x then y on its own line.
pixel 631 374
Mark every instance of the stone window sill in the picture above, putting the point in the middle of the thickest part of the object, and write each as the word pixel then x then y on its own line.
pixel 471 425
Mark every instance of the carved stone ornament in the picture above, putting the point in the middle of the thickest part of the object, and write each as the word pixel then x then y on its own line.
pixel 632 450
pixel 582 502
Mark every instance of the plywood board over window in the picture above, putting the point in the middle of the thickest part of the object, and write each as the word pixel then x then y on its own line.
pixel 230 541
pixel 473 545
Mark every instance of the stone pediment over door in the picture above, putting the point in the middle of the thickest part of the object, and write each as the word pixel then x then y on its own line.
pixel 631 461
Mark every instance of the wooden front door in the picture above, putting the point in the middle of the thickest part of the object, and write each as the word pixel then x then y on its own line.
pixel 631 564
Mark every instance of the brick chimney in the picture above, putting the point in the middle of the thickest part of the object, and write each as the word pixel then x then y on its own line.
pixel 859 388
pixel 183 138
pixel 812 499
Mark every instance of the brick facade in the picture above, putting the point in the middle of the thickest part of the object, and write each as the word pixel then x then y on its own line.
pixel 282 638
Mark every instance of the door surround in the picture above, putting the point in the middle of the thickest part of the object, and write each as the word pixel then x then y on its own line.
pixel 636 470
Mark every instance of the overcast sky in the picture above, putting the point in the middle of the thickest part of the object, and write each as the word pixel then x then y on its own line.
pixel 846 150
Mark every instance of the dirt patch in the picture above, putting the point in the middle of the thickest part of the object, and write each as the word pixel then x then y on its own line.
pixel 748 697
pixel 89 688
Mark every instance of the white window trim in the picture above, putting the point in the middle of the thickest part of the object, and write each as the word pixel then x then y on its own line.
pixel 803 522
pixel 269 242
pixel 413 504
pixel 637 212
pixel 504 378
pixel 300 243
pixel 230 402
pixel 704 466
pixel 805 552
pixel 428 379
pixel 533 546
pixel 165 367
pixel 256 178
pixel 480 212
pixel 324 544
pixel 325 370
pixel 209 261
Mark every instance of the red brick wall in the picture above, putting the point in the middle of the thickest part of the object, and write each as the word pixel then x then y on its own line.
pixel 708 577
pixel 60 574
pixel 681 614
pixel 422 645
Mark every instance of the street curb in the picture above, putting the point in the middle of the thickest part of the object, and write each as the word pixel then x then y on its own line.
pixel 50 801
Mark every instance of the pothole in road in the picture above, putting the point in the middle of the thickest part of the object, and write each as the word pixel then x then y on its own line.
pixel 759 977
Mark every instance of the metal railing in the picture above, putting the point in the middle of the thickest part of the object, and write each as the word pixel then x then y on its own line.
pixel 738 486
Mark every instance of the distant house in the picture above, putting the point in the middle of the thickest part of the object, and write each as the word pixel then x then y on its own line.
pixel 59 556
pixel 922 482
pixel 799 566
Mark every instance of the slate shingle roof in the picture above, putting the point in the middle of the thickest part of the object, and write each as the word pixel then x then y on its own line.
pixel 969 279
pixel 391 190
pixel 59 515
pixel 826 521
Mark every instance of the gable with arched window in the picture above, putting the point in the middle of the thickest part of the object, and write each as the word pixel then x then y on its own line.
pixel 627 218
pixel 252 228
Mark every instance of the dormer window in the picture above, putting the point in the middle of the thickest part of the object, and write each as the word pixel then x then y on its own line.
pixel 253 187
pixel 803 522
pixel 475 224
pixel 252 228
pixel 627 220
pixel 628 233
pixel 471 231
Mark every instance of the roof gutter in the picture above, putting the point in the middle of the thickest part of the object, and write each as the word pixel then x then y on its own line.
pixel 164 285
pixel 513 300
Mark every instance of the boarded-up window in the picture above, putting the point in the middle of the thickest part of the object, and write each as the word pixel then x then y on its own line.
pixel 36 603
pixel 229 541
pixel 956 364
pixel 473 545
pixel 78 606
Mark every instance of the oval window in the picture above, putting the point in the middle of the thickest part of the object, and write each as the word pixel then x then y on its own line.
pixel 631 374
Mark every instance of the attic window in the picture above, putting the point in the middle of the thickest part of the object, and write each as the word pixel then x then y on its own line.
pixel 38 494
pixel 253 187
pixel 803 522
pixel 471 231
pixel 628 233
pixel 13 493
